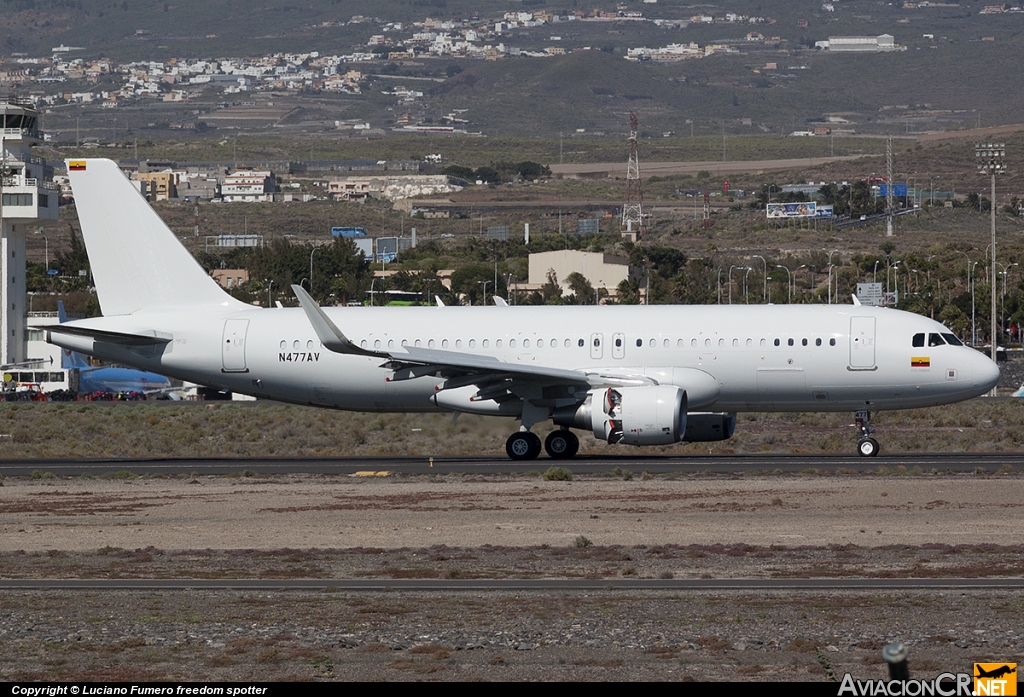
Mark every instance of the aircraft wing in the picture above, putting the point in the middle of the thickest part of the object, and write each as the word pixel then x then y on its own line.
pixel 459 369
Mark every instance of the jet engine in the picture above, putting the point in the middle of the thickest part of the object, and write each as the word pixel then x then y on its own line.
pixel 653 415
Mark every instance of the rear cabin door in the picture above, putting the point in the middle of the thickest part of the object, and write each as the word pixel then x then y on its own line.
pixel 233 346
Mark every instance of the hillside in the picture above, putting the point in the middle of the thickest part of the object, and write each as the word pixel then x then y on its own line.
pixel 944 80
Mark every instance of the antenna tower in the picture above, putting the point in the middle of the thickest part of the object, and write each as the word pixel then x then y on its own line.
pixel 633 209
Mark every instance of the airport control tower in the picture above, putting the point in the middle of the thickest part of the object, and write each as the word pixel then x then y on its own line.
pixel 27 196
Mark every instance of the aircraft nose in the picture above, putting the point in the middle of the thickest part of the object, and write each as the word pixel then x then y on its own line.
pixel 986 372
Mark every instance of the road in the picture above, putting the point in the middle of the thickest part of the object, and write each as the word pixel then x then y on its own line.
pixel 663 169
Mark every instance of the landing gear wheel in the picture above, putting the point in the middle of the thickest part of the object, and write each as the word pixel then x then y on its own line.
pixel 561 445
pixel 523 445
pixel 868 447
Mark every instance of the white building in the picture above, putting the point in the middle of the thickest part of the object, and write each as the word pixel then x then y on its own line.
pixel 248 186
pixel 604 271
pixel 848 44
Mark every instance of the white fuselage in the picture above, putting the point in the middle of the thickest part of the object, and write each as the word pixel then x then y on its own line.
pixel 731 358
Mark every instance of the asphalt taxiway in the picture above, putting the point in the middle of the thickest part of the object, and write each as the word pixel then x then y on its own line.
pixel 654 464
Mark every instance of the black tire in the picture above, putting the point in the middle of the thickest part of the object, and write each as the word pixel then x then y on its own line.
pixel 561 445
pixel 535 446
pixel 523 445
pixel 867 447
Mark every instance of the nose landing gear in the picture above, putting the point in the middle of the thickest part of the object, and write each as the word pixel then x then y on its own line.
pixel 866 445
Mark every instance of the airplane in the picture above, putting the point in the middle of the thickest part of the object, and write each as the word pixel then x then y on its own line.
pixel 108 379
pixel 638 375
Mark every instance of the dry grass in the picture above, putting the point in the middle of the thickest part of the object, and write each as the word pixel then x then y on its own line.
pixel 268 429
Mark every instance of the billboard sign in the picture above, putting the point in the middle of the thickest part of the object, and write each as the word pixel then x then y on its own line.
pixel 870 294
pixel 897 190
pixel 387 249
pixel 791 210
pixel 821 211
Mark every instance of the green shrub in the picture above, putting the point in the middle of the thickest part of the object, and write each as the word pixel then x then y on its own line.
pixel 558 474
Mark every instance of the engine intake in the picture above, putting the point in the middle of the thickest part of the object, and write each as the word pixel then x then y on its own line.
pixel 653 415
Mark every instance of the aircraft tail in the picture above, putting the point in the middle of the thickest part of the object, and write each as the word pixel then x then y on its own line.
pixel 69 359
pixel 137 262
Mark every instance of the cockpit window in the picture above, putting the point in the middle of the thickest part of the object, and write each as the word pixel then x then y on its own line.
pixel 919 340
pixel 935 340
pixel 953 341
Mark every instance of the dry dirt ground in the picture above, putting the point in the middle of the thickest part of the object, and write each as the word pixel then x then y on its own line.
pixel 519 527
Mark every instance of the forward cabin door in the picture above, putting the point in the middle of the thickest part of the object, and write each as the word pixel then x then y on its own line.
pixel 862 343
pixel 233 346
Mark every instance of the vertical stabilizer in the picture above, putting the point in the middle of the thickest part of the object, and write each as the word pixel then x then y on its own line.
pixel 137 262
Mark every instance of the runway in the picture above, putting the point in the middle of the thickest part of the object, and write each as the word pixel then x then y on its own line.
pixel 522 585
pixel 496 465
pixel 306 571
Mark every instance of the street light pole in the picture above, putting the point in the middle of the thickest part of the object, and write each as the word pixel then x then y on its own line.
pixel 789 280
pixel 764 292
pixel 990 161
pixel 315 249
pixel 974 327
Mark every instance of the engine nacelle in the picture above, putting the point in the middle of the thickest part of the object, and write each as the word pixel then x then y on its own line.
pixel 653 415
pixel 708 427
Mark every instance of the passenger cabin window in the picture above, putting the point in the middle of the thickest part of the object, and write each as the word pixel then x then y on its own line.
pixel 639 342
pixel 919 340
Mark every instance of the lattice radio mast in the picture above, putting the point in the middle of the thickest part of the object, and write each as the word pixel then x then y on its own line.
pixel 633 209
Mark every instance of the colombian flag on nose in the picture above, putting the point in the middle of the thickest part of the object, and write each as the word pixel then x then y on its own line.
pixel 920 362
pixel 76 165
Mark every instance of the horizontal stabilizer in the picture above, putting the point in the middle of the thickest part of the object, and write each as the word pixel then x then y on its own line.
pixel 122 338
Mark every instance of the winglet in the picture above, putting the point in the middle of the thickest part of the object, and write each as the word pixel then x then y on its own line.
pixel 326 330
pixel 499 301
pixel 440 303
pixel 856 301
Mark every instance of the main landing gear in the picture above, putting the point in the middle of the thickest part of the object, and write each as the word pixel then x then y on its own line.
pixel 560 445
pixel 866 445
